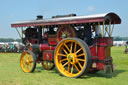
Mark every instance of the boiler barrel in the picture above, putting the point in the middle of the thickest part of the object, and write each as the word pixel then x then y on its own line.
pixel 41 47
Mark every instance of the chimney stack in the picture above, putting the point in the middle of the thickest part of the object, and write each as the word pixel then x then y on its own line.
pixel 39 17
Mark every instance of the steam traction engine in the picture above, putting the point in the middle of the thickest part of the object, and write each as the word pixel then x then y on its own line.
pixel 74 44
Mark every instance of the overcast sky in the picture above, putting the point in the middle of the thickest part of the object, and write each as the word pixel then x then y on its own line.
pixel 20 10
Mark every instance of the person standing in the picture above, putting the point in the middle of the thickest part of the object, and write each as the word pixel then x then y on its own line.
pixel 96 29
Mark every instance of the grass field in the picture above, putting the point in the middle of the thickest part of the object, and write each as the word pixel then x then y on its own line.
pixel 11 73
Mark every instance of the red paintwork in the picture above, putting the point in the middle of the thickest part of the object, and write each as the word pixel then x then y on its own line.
pixel 106 41
pixel 102 51
pixel 34 41
pixel 100 44
pixel 47 51
pixel 101 55
pixel 52 41
pixel 44 47
pixel 48 55
pixel 93 51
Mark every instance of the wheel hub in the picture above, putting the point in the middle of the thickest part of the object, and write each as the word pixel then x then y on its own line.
pixel 71 58
pixel 27 62
pixel 64 35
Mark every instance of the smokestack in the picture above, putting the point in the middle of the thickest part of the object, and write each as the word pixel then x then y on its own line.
pixel 39 17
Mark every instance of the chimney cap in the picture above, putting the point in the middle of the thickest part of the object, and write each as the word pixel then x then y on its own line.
pixel 39 17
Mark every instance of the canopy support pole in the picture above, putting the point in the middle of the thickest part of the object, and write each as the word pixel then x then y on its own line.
pixel 22 32
pixel 103 28
pixel 100 29
pixel 19 33
pixel 43 29
pixel 112 29
pixel 110 33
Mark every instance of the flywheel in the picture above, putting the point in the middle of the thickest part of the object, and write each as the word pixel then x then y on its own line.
pixel 65 31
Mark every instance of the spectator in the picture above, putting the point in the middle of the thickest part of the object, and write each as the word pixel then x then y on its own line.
pixel 96 29
pixel 88 34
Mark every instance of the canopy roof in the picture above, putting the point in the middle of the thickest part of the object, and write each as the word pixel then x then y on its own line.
pixel 114 18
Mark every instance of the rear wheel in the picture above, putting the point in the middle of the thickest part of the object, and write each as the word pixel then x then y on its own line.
pixel 28 61
pixel 72 57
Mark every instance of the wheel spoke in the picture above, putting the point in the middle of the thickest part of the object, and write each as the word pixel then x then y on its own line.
pixel 67 47
pixel 80 65
pixel 24 64
pixel 65 51
pixel 31 64
pixel 72 69
pixel 30 58
pixel 31 61
pixel 65 64
pixel 78 50
pixel 68 67
pixel 76 67
pixel 75 48
pixel 80 54
pixel 28 67
pixel 80 59
pixel 60 54
pixel 63 59
pixel 71 47
pixel 23 60
pixel 26 56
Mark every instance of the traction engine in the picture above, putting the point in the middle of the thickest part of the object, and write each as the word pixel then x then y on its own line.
pixel 73 44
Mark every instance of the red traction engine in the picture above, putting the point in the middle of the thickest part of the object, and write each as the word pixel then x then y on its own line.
pixel 73 44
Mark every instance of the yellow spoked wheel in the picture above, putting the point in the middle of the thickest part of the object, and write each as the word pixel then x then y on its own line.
pixel 72 57
pixel 28 61
pixel 48 65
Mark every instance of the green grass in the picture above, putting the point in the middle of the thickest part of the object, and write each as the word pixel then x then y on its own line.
pixel 11 73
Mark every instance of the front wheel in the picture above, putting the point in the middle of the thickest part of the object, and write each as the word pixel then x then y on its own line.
pixel 28 61
pixel 72 57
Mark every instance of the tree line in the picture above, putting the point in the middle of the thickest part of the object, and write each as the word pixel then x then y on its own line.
pixel 9 40
pixel 117 38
